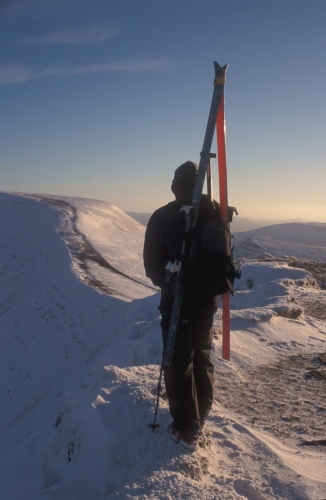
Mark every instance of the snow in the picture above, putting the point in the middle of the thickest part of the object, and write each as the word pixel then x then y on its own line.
pixel 80 353
pixel 300 240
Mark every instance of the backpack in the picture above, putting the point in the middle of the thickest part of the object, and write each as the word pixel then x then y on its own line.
pixel 210 268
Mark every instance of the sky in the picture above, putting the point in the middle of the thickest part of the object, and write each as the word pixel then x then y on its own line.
pixel 104 99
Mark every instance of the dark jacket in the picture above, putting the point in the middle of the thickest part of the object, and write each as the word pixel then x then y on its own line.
pixel 164 237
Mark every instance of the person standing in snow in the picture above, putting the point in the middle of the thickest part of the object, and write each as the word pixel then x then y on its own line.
pixel 189 379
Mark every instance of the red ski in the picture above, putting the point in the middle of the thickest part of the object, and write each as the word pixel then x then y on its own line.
pixel 226 216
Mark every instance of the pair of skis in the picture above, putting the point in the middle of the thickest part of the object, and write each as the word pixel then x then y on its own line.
pixel 215 120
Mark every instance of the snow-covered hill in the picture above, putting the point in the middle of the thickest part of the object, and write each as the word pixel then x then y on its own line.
pixel 105 244
pixel 299 240
pixel 80 348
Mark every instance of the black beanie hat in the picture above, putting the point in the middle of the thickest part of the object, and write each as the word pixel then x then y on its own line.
pixel 187 172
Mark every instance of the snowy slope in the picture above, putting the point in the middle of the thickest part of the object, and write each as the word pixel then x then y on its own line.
pixel 80 348
pixel 300 240
pixel 105 244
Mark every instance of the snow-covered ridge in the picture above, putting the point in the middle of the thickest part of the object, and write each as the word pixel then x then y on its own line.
pixel 79 366
pixel 105 245
pixel 299 240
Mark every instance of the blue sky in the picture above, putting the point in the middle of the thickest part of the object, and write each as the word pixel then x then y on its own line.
pixel 104 99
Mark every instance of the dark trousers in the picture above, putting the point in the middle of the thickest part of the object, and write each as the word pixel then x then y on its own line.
pixel 189 379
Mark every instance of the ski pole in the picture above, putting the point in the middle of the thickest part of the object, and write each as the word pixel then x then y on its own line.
pixel 154 425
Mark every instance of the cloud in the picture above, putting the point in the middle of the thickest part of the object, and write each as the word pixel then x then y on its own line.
pixel 125 66
pixel 80 36
pixel 11 73
pixel 14 73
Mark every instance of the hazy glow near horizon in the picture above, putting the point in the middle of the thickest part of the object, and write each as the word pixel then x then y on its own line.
pixel 105 99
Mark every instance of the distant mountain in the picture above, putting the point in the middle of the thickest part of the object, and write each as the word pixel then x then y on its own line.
pixel 240 224
pixel 299 240
pixel 143 218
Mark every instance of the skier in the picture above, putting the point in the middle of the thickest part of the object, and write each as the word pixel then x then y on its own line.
pixel 189 379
